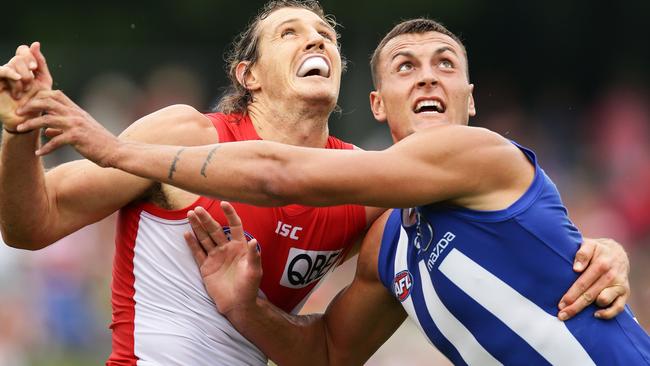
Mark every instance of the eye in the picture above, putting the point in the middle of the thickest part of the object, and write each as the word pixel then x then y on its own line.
pixel 446 64
pixel 327 35
pixel 287 32
pixel 406 66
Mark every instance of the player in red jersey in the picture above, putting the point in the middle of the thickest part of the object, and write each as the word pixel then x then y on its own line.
pixel 157 294
pixel 161 312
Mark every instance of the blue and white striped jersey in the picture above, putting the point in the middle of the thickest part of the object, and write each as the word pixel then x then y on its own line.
pixel 484 285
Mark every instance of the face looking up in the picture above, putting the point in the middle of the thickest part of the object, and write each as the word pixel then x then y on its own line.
pixel 299 60
pixel 422 81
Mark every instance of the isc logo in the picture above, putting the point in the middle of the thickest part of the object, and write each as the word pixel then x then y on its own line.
pixel 402 285
pixel 306 266
pixel 287 230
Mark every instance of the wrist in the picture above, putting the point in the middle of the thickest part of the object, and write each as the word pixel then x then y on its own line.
pixel 242 311
pixel 16 132
pixel 113 157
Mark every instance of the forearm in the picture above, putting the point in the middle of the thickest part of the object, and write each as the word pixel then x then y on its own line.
pixel 212 170
pixel 24 203
pixel 286 339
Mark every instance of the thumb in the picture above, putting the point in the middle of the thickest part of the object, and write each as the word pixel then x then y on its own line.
pixel 42 71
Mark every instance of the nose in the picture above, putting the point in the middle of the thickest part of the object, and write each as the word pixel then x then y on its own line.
pixel 316 41
pixel 428 77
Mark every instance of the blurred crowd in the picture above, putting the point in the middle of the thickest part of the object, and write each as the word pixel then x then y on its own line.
pixel 55 303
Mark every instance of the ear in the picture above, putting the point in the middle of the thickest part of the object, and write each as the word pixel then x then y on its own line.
pixel 377 106
pixel 246 76
pixel 472 107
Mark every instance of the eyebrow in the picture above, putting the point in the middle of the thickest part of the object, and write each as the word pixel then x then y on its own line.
pixel 320 22
pixel 439 51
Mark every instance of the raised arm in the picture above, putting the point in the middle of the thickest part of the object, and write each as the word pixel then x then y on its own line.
pixel 38 208
pixel 267 173
pixel 356 323
pixel 444 163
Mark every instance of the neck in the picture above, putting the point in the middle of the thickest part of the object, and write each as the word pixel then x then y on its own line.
pixel 290 124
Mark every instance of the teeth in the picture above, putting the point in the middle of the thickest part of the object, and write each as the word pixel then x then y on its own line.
pixel 314 63
pixel 428 103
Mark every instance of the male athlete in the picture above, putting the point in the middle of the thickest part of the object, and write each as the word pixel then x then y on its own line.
pixel 161 312
pixel 60 111
pixel 478 262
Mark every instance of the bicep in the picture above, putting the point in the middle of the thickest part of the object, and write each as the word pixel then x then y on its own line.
pixel 83 193
pixel 365 314
pixel 359 320
pixel 391 178
pixel 429 166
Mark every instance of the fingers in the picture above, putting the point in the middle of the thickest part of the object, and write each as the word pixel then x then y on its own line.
pixel 584 255
pixel 45 120
pixel 234 222
pixel 200 232
pixel 52 132
pixel 24 64
pixel 195 247
pixel 52 145
pixel 582 284
pixel 42 72
pixel 614 309
pixel 603 279
pixel 252 254
pixel 9 73
pixel 611 293
pixel 213 228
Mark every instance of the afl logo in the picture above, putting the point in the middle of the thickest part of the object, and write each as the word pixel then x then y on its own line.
pixel 402 284
pixel 249 237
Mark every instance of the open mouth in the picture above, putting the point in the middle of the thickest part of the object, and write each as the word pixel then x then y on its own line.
pixel 429 106
pixel 314 66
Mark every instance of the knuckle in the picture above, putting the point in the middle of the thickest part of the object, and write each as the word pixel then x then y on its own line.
pixel 609 276
pixel 587 297
pixel 603 299
pixel 602 265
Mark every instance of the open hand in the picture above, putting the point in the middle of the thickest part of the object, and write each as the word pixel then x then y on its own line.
pixel 230 266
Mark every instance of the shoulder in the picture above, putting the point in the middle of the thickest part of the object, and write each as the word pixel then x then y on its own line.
pixel 454 138
pixel 174 125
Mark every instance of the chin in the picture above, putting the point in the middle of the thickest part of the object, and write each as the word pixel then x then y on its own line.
pixel 425 121
pixel 320 96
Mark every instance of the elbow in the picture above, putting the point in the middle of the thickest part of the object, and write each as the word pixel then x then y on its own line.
pixel 30 243
pixel 280 185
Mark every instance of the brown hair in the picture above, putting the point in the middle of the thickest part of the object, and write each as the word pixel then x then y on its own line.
pixel 412 26
pixel 245 47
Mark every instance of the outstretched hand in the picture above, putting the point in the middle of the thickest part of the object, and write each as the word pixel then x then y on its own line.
pixel 230 265
pixel 66 123
pixel 20 79
pixel 604 268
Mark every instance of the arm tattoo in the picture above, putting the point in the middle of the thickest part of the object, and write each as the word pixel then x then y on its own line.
pixel 207 160
pixel 172 168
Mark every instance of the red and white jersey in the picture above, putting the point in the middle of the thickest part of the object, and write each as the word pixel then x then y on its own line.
pixel 162 314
